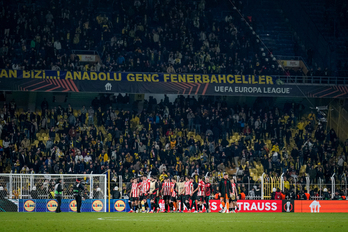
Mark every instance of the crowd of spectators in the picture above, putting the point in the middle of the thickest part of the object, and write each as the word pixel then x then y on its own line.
pixel 186 137
pixel 142 35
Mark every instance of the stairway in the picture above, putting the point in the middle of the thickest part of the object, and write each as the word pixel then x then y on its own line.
pixel 272 27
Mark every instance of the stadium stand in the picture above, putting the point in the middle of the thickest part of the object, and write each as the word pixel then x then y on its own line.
pixel 182 137
pixel 330 19
pixel 130 38
pixel 272 27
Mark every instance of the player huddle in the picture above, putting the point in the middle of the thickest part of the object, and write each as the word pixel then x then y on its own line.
pixel 146 195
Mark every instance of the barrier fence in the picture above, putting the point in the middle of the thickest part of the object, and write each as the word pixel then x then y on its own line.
pixel 269 183
pixel 33 193
pixel 19 190
pixel 245 206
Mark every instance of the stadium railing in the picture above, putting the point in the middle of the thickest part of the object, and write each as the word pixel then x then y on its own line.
pixel 41 186
pixel 312 80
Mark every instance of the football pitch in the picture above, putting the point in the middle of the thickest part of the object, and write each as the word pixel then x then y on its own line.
pixel 212 222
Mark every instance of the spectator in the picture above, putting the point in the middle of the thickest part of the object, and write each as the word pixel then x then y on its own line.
pixel 34 193
pixel 98 194
pixel 3 193
pixel 132 143
pixel 274 190
pixel 277 195
pixel 145 44
pixel 115 193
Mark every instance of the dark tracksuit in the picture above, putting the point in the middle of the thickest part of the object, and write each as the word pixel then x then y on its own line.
pixel 77 191
pixel 225 188
pixel 58 192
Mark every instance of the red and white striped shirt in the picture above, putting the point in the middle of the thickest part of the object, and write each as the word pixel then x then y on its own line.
pixel 135 189
pixel 166 189
pixel 188 189
pixel 145 186
pixel 201 187
pixel 234 190
pixel 172 185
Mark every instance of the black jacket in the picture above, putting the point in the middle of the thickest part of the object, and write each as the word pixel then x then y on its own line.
pixel 58 190
pixel 291 195
pixel 225 188
pixel 273 196
pixel 78 189
pixel 115 194
pixel 326 196
pixel 34 194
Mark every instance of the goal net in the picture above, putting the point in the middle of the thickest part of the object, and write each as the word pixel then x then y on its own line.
pixel 35 192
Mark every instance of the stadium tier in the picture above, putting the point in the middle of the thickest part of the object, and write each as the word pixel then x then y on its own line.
pixel 146 36
pixel 187 137
pixel 157 102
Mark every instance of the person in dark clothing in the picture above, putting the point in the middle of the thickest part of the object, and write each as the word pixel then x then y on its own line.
pixel 291 195
pixel 44 105
pixel 302 195
pixel 78 191
pixel 115 193
pixel 326 195
pixel 337 196
pixel 3 193
pixel 225 188
pixel 58 193
pixel 273 194
pixel 194 193
pixel 34 194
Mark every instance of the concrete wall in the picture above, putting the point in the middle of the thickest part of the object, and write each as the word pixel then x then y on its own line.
pixel 32 100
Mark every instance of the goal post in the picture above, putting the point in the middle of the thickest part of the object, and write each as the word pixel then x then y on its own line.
pixel 35 192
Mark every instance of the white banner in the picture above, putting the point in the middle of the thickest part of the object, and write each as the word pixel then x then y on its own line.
pixel 87 58
pixel 291 63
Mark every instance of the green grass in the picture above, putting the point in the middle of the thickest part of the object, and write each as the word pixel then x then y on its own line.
pixel 213 222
